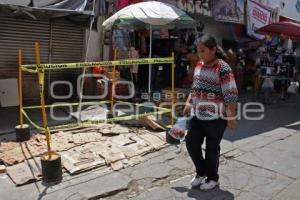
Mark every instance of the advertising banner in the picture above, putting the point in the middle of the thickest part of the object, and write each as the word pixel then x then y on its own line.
pixel 258 16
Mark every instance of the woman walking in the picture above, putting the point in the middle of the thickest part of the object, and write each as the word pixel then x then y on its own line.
pixel 212 101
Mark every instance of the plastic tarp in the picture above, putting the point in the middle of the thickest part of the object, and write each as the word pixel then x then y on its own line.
pixel 75 5
pixel 83 7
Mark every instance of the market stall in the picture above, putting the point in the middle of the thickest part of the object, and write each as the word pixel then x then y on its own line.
pixel 150 15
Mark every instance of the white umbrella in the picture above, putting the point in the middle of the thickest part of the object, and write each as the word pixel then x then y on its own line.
pixel 152 15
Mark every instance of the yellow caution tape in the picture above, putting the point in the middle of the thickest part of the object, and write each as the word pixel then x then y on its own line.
pixel 94 103
pixel 146 106
pixel 41 76
pixel 92 123
pixel 29 70
pixel 31 122
pixel 115 119
pixel 33 67
pixel 68 104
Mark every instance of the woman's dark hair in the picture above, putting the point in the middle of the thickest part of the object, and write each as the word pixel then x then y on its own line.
pixel 210 42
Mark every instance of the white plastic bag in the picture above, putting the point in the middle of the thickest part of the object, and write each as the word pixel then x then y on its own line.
pixel 179 130
pixel 293 88
pixel 268 85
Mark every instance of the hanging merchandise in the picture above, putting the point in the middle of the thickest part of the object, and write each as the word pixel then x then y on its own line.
pixel 121 39
pixel 135 1
pixel 171 2
pixel 112 7
pixel 229 11
pixel 156 34
pixel 203 7
pixel 133 54
pixel 100 8
pixel 106 52
pixel 182 4
pixel 258 16
pixel 143 35
pixel 191 38
pixel 190 6
pixel 122 4
pixel 164 33
pixel 107 37
pixel 118 39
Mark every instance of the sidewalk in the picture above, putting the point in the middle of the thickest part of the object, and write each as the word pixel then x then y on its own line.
pixel 260 161
pixel 260 167
pixel 268 170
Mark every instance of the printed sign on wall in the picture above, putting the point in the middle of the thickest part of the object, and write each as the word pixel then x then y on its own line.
pixel 258 16
pixel 229 11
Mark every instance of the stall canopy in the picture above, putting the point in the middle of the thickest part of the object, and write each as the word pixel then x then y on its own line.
pixel 285 28
pixel 150 15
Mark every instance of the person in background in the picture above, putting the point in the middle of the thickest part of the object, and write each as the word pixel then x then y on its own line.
pixel 213 85
pixel 192 58
pixel 232 60
pixel 296 75
pixel 181 66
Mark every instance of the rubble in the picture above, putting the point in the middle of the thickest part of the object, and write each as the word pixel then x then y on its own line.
pixel 2 169
pixel 81 149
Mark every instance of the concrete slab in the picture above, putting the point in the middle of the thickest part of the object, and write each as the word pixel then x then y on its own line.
pixel 226 146
pixel 103 186
pixel 181 189
pixel 238 181
pixel 281 156
pixel 35 191
pixel 181 163
pixel 157 170
pixel 155 195
pixel 236 176
pixel 291 192
pixel 290 144
pixel 264 139
pixel 248 195
pixel 25 172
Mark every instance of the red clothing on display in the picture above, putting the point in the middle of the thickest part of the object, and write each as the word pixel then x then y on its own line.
pixel 122 4
pixel 135 1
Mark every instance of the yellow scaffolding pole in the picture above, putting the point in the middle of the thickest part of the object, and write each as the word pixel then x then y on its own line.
pixel 113 83
pixel 41 76
pixel 20 88
pixel 173 89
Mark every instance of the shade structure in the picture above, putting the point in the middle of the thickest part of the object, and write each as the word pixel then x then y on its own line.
pixel 285 28
pixel 154 13
pixel 150 15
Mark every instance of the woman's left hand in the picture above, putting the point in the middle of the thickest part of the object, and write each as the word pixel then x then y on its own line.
pixel 232 124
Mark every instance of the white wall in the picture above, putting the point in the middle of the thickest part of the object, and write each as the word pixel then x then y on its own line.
pixel 219 30
pixel 286 7
pixel 95 46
